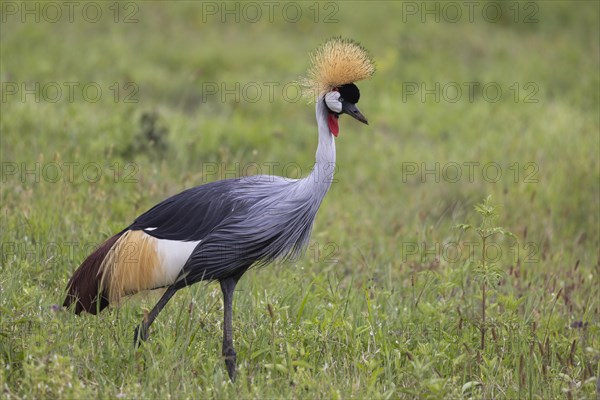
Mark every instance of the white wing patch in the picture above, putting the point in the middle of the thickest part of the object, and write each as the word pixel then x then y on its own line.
pixel 173 254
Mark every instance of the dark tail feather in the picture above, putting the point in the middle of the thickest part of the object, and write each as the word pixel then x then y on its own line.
pixel 83 288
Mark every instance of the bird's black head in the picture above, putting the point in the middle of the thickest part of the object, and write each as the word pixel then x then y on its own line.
pixel 349 92
pixel 343 99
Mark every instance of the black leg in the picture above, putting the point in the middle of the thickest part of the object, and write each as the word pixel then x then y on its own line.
pixel 141 332
pixel 228 286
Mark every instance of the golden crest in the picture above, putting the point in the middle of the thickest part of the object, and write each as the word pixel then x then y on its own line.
pixel 336 62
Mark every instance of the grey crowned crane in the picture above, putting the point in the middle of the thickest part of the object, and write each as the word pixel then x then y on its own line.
pixel 218 230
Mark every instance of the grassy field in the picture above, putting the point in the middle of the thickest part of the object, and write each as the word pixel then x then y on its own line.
pixel 107 110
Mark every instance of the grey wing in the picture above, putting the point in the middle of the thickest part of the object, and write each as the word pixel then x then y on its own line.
pixel 191 214
pixel 271 222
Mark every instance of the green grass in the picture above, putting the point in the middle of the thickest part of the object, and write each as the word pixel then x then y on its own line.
pixel 381 306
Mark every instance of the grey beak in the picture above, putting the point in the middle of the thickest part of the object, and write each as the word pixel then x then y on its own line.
pixel 353 111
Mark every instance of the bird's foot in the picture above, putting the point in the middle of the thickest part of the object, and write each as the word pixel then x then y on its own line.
pixel 140 334
pixel 230 363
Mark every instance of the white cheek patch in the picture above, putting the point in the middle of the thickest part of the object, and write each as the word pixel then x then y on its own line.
pixel 332 99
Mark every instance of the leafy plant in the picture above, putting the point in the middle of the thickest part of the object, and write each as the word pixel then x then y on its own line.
pixel 152 137
pixel 486 271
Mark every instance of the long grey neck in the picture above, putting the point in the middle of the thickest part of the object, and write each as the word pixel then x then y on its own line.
pixel 321 177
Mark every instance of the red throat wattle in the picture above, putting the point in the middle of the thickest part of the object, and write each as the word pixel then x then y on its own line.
pixel 332 121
